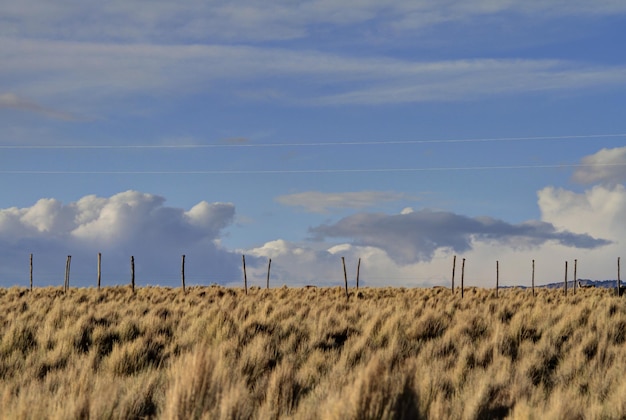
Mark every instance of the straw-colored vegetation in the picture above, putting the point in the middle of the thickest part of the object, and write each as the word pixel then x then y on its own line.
pixel 309 354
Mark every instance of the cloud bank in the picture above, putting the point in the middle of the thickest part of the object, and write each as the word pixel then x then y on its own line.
pixel 415 248
pixel 415 236
pixel 125 224
pixel 412 248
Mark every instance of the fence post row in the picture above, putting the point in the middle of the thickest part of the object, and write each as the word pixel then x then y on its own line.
pixel 66 284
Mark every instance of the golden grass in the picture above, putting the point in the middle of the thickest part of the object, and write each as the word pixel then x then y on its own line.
pixel 308 354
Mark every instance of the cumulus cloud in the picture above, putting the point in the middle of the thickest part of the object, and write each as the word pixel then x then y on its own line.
pixel 398 251
pixel 125 224
pixel 416 236
pixel 598 211
pixel 413 248
pixel 320 202
pixel 607 166
pixel 299 264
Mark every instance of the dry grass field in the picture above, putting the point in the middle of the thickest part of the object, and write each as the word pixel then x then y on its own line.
pixel 308 354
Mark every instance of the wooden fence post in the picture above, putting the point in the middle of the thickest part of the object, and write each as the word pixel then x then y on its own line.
pixel 345 276
pixel 66 286
pixel 245 275
pixel 575 274
pixel 619 280
pixel 533 278
pixel 358 270
pixel 463 278
pixel 31 272
pixel 453 268
pixel 182 274
pixel 497 277
pixel 132 273
pixel 99 269
pixel 565 278
pixel 269 266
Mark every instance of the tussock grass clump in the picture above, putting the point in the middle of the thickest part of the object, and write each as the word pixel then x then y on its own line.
pixel 309 354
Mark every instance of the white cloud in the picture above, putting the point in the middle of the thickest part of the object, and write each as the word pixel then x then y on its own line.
pixel 294 264
pixel 320 202
pixel 390 249
pixel 414 248
pixel 607 165
pixel 125 224
pixel 48 216
pixel 598 211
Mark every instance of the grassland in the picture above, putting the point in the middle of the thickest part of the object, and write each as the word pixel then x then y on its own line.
pixel 308 354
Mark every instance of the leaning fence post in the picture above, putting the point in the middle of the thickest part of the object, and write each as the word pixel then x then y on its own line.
pixel 269 266
pixel 132 273
pixel 31 272
pixel 462 277
pixel 245 275
pixel 345 276
pixel 453 267
pixel 358 270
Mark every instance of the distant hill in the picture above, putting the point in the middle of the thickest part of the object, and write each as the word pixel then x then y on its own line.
pixel 584 282
pixel 570 284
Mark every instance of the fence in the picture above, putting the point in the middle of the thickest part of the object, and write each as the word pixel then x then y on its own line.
pixel 66 285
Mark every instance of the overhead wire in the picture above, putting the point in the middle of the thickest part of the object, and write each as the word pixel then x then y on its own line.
pixel 227 144
pixel 311 144
pixel 312 171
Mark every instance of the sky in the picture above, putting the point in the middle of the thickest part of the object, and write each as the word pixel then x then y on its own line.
pixel 399 133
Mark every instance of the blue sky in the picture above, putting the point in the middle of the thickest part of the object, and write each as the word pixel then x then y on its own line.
pixel 401 133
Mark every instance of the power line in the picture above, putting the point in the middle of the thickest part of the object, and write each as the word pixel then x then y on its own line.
pixel 316 144
pixel 311 171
